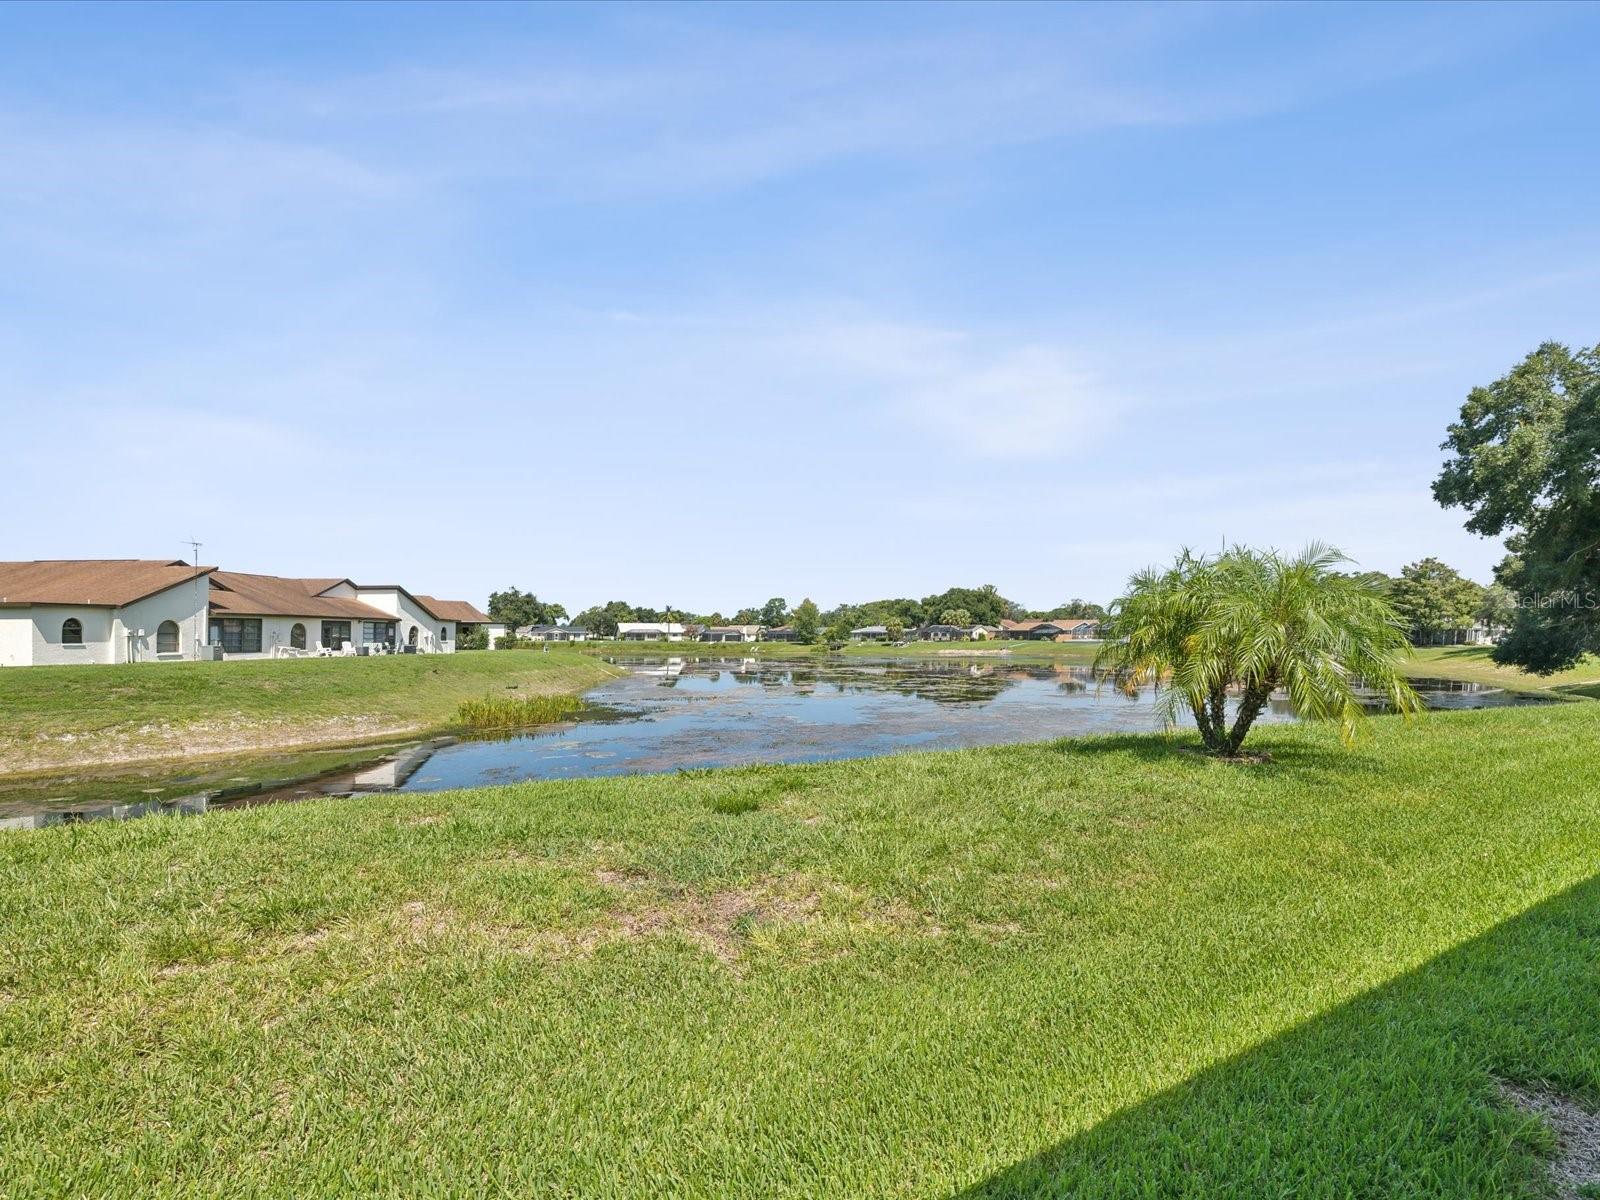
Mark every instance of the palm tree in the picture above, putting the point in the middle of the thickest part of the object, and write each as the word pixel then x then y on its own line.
pixel 1248 623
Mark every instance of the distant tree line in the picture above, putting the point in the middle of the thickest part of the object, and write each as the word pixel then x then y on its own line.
pixel 1438 604
pixel 954 606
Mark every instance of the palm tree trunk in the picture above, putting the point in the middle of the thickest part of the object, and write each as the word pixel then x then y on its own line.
pixel 1209 718
pixel 1250 706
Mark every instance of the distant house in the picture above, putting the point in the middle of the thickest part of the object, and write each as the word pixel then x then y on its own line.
pixel 730 633
pixel 1476 634
pixel 553 633
pixel 954 633
pixel 1058 629
pixel 780 633
pixel 1076 628
pixel 870 633
pixel 649 631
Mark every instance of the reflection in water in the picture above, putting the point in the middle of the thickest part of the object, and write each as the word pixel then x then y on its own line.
pixel 684 713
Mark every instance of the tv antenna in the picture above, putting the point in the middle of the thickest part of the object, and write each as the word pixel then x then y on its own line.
pixel 199 617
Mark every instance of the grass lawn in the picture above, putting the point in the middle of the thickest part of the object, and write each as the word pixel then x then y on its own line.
pixel 1473 664
pixel 58 717
pixel 1090 968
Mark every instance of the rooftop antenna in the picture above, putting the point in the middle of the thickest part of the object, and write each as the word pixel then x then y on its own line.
pixel 199 622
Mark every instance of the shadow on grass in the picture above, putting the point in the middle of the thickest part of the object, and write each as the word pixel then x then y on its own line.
pixel 1391 1094
pixel 1184 749
pixel 1475 653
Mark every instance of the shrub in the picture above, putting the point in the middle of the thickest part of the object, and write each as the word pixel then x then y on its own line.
pixel 517 712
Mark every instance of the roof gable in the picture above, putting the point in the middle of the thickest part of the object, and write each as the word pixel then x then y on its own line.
pixel 235 592
pixel 95 582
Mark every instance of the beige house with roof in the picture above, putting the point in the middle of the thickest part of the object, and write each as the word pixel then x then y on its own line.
pixel 139 610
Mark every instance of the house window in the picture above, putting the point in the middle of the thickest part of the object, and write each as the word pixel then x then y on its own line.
pixel 167 637
pixel 297 636
pixel 411 636
pixel 377 631
pixel 335 634
pixel 237 635
pixel 72 632
pixel 444 633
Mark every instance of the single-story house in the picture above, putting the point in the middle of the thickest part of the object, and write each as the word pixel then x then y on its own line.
pixel 467 616
pixel 730 633
pixel 1477 634
pixel 134 610
pixel 780 633
pixel 102 610
pixel 553 633
pixel 1076 628
pixel 1057 629
pixel 870 633
pixel 256 615
pixel 952 633
pixel 649 631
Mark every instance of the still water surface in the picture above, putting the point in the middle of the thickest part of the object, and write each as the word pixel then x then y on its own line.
pixel 674 714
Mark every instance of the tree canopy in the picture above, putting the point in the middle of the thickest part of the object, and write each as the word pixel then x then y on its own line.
pixel 1433 597
pixel 984 605
pixel 1525 463
pixel 515 608
pixel 1249 622
pixel 805 620
pixel 1074 608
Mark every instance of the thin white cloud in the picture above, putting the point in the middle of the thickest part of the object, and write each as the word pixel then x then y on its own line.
pixel 983 394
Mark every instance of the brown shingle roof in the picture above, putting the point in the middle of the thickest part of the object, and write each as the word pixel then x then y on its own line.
pixel 99 582
pixel 452 610
pixel 233 592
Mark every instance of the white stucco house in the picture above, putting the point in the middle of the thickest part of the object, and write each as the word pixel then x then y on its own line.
pixel 142 610
pixel 260 615
pixel 649 631
pixel 730 633
pixel 552 633
pixel 103 610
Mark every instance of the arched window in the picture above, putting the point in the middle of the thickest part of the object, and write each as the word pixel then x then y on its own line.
pixel 444 633
pixel 72 632
pixel 167 637
pixel 411 636
pixel 297 636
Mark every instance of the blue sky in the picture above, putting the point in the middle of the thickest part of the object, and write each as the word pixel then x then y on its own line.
pixel 700 305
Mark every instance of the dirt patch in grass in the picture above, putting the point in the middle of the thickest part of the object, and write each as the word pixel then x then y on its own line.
pixel 1575 1168
pixel 722 922
pixel 194 740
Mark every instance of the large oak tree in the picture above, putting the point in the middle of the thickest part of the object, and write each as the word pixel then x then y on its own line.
pixel 1525 463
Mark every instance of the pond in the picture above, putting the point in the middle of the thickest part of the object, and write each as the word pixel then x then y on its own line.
pixel 682 713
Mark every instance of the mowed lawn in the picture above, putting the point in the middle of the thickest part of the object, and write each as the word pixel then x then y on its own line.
pixel 1474 665
pixel 78 716
pixel 1095 968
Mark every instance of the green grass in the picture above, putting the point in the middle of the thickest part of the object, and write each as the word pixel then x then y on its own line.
pixel 1098 967
pixel 1473 664
pixel 77 716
